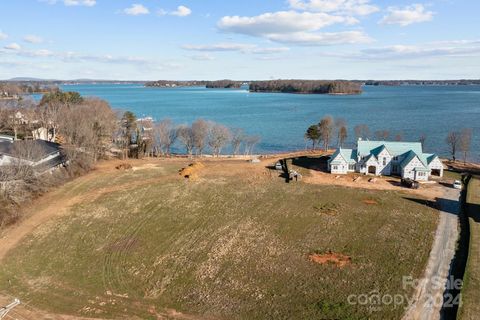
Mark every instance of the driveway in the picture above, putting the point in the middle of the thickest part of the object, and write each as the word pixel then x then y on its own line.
pixel 429 294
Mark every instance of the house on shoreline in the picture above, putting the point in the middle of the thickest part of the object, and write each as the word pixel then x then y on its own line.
pixel 386 158
pixel 41 155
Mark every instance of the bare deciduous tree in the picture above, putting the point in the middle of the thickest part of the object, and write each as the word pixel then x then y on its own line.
pixel 165 135
pixel 250 143
pixel 362 131
pixel 238 137
pixel 200 129
pixel 185 135
pixel 452 140
pixel 465 142
pixel 342 135
pixel 339 124
pixel 218 136
pixel 422 140
pixel 87 128
pixel 20 167
pixel 382 134
pixel 325 128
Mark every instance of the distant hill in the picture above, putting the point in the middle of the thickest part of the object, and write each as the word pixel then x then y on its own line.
pixel 20 79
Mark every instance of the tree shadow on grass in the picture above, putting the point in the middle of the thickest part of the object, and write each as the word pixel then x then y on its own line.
pixel 473 211
pixel 446 205
pixel 319 163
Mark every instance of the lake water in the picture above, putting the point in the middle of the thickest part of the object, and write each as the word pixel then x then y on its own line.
pixel 281 119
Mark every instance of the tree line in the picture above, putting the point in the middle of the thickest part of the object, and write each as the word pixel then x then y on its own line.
pixel 144 137
pixel 10 89
pixel 307 86
pixel 224 84
pixel 83 126
pixel 328 130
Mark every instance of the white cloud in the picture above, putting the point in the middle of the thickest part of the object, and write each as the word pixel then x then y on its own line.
pixel 42 53
pixel 269 50
pixel 136 10
pixel 352 7
pixel 3 36
pixel 322 39
pixel 294 27
pixel 219 47
pixel 459 48
pixel 31 38
pixel 13 46
pixel 414 13
pixel 181 11
pixel 69 56
pixel 235 47
pixel 71 3
pixel 281 22
pixel 202 57
pixel 86 3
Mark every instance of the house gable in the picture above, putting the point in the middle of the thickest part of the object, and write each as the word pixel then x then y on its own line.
pixel 434 161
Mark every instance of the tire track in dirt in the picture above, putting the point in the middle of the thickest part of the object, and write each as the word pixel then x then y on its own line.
pixel 57 206
pixel 54 205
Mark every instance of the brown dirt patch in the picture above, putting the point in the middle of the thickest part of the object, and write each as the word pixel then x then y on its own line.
pixel 124 166
pixel 340 260
pixel 429 191
pixel 191 172
pixel 370 201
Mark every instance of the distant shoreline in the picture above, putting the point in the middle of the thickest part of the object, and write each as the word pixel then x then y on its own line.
pixel 193 83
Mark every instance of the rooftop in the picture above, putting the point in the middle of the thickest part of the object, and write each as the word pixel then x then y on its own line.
pixel 32 150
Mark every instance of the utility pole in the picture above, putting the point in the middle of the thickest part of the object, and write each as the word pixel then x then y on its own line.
pixel 8 308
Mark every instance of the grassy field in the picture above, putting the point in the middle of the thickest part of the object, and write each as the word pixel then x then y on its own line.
pixel 452 175
pixel 471 291
pixel 233 244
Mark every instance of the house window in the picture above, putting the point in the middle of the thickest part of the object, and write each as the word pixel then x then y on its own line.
pixel 384 161
pixel 351 167
pixel 395 158
pixel 421 174
pixel 394 168
pixel 335 167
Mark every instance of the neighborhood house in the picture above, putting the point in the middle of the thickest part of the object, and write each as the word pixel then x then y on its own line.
pixel 41 155
pixel 404 159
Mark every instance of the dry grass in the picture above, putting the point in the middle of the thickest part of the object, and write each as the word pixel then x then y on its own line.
pixel 232 245
pixel 471 291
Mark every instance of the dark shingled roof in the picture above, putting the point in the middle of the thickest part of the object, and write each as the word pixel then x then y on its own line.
pixel 43 149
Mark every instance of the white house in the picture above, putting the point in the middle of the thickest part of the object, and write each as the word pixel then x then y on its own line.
pixel 43 133
pixel 41 155
pixel 405 159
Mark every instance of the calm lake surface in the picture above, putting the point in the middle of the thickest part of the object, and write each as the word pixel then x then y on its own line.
pixel 281 119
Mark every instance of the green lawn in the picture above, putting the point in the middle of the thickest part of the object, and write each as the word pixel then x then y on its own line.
pixel 452 175
pixel 221 247
pixel 471 290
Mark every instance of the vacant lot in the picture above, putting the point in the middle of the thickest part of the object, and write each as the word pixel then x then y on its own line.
pixel 237 242
pixel 471 292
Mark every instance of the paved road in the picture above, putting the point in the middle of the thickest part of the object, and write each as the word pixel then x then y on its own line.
pixel 429 294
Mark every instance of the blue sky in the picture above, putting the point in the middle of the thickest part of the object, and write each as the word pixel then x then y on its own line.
pixel 193 39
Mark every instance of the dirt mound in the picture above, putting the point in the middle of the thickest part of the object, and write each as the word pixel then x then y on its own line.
pixel 124 166
pixel 191 172
pixel 370 201
pixel 340 260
